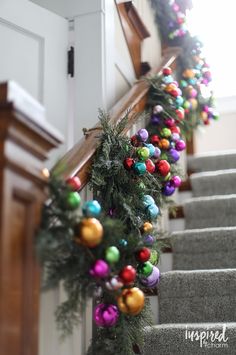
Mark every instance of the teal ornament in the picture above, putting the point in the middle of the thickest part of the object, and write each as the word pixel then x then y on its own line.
pixel 179 101
pixel 139 168
pixel 123 243
pixel 112 254
pixel 151 149
pixel 153 211
pixel 148 200
pixel 73 200
pixel 91 209
pixel 168 79
pixel 192 81
pixel 183 83
pixel 145 269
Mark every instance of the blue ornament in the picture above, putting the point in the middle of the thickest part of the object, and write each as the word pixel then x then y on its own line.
pixel 151 149
pixel 179 101
pixel 192 81
pixel 148 200
pixel 153 211
pixel 123 243
pixel 139 168
pixel 91 208
pixel 168 79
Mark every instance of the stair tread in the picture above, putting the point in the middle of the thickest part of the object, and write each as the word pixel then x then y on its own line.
pixel 212 161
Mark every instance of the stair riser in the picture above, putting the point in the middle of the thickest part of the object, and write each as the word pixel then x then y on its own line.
pixel 211 163
pixel 223 184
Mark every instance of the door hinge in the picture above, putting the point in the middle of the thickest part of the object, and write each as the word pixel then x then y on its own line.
pixel 70 68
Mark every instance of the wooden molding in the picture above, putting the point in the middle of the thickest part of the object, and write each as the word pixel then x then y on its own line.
pixel 178 213
pixel 134 30
pixel 185 185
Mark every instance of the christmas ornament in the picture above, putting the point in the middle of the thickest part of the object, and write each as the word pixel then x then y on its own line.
pixel 155 139
pixel 143 153
pixel 91 209
pixel 139 168
pixel 106 315
pixel 153 279
pixel 157 109
pixel 142 135
pixel 154 257
pixel 151 149
pixel 128 163
pixel 123 243
pixel 149 240
pixel 155 120
pixel 176 181
pixel 168 189
pixel 89 232
pixel 134 141
pixel 145 269
pixel 114 284
pixel 147 227
pixel 73 200
pixel 99 269
pixel 167 71
pixel 170 122
pixel 157 153
pixel 127 274
pixel 165 132
pixel 153 211
pixel 112 254
pixel 173 155
pixel 163 167
pixel 150 166
pixel 164 143
pixel 147 200
pixel 180 145
pixel 143 254
pixel 131 301
pixel 74 183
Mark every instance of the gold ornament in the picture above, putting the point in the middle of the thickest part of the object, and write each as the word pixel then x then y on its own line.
pixel 131 301
pixel 188 74
pixel 147 227
pixel 89 232
pixel 193 103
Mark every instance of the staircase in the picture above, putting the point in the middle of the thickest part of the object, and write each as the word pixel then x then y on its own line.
pixel 198 298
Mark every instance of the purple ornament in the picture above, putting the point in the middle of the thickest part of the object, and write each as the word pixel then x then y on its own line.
pixel 106 315
pixel 175 137
pixel 155 120
pixel 99 269
pixel 176 181
pixel 168 189
pixel 180 145
pixel 157 153
pixel 149 240
pixel 174 155
pixel 153 279
pixel 142 134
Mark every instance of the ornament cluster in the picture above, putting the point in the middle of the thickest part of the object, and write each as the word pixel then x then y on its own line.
pixel 177 24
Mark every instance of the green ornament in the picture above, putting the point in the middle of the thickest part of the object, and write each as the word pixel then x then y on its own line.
pixel 167 177
pixel 73 200
pixel 183 83
pixel 145 269
pixel 142 186
pixel 139 168
pixel 216 115
pixel 165 132
pixel 143 153
pixel 186 105
pixel 164 156
pixel 154 257
pixel 112 254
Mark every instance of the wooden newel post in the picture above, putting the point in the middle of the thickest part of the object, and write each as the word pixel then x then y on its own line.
pixel 25 140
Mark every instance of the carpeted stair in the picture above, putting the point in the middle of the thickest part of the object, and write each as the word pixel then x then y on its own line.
pixel 198 299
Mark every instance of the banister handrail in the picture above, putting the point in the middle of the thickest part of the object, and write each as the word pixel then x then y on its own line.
pixel 78 159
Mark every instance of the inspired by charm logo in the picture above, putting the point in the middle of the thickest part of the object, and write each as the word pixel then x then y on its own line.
pixel 208 338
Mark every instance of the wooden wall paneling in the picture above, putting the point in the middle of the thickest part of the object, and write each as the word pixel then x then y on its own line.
pixel 24 145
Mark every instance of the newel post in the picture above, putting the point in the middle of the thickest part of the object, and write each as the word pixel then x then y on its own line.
pixel 25 141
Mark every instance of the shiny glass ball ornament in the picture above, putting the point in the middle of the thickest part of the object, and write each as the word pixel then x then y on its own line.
pixel 145 269
pixel 150 166
pixel 187 104
pixel 154 257
pixel 175 129
pixel 123 243
pixel 147 200
pixel 180 113
pixel 163 167
pixel 155 120
pixel 143 254
pixel 175 137
pixel 183 83
pixel 147 227
pixel 106 315
pixel 89 232
pixel 127 274
pixel 170 122
pixel 73 200
pixel 180 145
pixel 153 211
pixel 139 168
pixel 216 115
pixel 128 163
pixel 157 109
pixel 179 101
pixel 168 79
pixel 165 132
pixel 99 269
pixel 131 301
pixel 168 189
pixel 193 103
pixel 114 284
pixel 112 254
pixel 74 183
pixel 155 139
pixel 167 177
pixel 142 134
pixel 134 141
pixel 152 280
pixel 167 71
pixel 91 209
pixel 174 155
pixel 157 153
pixel 151 148
pixel 149 240
pixel 188 73
pixel 176 181
pixel 164 156
pixel 164 143
pixel 143 153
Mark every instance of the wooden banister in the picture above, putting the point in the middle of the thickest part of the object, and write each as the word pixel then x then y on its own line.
pixel 25 140
pixel 77 161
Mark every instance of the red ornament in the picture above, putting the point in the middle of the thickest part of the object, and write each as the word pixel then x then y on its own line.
pixel 150 166
pixel 74 183
pixel 175 129
pixel 174 93
pixel 134 141
pixel 143 255
pixel 128 163
pixel 167 71
pixel 180 113
pixel 163 167
pixel 127 274
pixel 155 139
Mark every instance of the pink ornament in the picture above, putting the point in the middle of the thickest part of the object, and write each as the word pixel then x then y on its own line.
pixel 99 269
pixel 169 122
pixel 175 7
pixel 176 181
pixel 193 93
pixel 106 315
pixel 180 145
